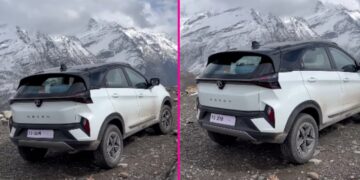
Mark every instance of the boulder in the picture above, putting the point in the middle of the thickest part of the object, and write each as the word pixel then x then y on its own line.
pixel 313 175
pixel 7 114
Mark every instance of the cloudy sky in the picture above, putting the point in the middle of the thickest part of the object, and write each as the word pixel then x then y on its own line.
pixel 278 7
pixel 70 16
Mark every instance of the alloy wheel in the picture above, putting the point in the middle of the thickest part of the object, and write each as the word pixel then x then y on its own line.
pixel 305 139
pixel 166 118
pixel 113 145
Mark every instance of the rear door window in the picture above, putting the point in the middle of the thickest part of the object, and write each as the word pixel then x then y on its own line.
pixel 316 59
pixel 51 86
pixel 238 66
pixel 115 78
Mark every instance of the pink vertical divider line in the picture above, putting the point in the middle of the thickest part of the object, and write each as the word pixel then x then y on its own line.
pixel 178 94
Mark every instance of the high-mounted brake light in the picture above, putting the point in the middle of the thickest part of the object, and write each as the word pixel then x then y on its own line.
pixel 85 124
pixel 269 111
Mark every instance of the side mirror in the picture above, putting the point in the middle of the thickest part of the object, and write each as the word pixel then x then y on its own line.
pixel 154 81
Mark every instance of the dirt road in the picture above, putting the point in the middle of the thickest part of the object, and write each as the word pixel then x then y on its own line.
pixel 337 156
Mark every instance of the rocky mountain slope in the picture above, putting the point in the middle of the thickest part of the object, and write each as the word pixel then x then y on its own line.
pixel 153 54
pixel 210 32
pixel 23 53
pixel 338 24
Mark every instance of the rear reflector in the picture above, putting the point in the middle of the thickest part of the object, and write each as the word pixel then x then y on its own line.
pixel 270 115
pixel 85 125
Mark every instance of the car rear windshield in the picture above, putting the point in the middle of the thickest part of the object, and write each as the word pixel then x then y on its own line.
pixel 50 86
pixel 238 66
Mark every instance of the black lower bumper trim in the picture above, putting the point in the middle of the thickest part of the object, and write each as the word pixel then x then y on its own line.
pixel 241 134
pixel 57 145
pixel 244 127
pixel 63 140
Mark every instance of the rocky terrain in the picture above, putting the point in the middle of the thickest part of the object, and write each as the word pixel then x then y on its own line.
pixel 336 157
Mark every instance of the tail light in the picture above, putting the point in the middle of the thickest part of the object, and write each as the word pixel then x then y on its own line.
pixel 270 81
pixel 270 115
pixel 82 98
pixel 85 124
pixel 10 123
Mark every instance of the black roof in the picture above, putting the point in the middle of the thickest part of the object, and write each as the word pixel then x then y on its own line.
pixel 289 44
pixel 274 48
pixel 83 68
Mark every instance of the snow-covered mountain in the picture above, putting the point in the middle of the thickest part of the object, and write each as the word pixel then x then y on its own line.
pixel 153 54
pixel 338 24
pixel 206 33
pixel 23 53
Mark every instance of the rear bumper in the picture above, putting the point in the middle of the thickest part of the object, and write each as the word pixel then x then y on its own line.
pixel 244 128
pixel 63 140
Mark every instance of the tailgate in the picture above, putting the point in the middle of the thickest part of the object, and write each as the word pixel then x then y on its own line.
pixel 49 113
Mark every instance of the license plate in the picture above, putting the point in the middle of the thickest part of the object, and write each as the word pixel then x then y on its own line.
pixel 223 119
pixel 36 133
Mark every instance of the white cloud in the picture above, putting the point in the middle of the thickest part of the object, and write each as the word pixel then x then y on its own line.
pixel 69 16
pixel 277 7
pixel 350 4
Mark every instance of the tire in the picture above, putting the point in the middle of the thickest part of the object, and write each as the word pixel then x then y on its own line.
pixel 110 149
pixel 305 130
pixel 166 121
pixel 31 154
pixel 222 139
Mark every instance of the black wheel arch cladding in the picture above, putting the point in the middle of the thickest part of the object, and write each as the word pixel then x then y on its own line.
pixel 310 107
pixel 167 101
pixel 114 117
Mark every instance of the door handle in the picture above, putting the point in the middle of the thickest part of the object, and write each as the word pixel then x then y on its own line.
pixel 346 79
pixel 312 79
pixel 115 95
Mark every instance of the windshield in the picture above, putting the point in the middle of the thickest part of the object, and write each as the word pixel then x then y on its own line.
pixel 238 66
pixel 50 86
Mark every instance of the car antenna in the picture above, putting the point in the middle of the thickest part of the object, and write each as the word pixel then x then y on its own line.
pixel 255 45
pixel 63 67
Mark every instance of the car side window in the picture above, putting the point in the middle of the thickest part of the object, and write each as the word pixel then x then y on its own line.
pixel 316 59
pixel 342 61
pixel 115 78
pixel 136 79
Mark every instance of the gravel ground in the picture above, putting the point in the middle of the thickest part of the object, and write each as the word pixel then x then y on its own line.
pixel 146 156
pixel 337 156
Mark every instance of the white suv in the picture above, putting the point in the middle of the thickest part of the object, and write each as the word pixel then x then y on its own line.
pixel 280 93
pixel 89 107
